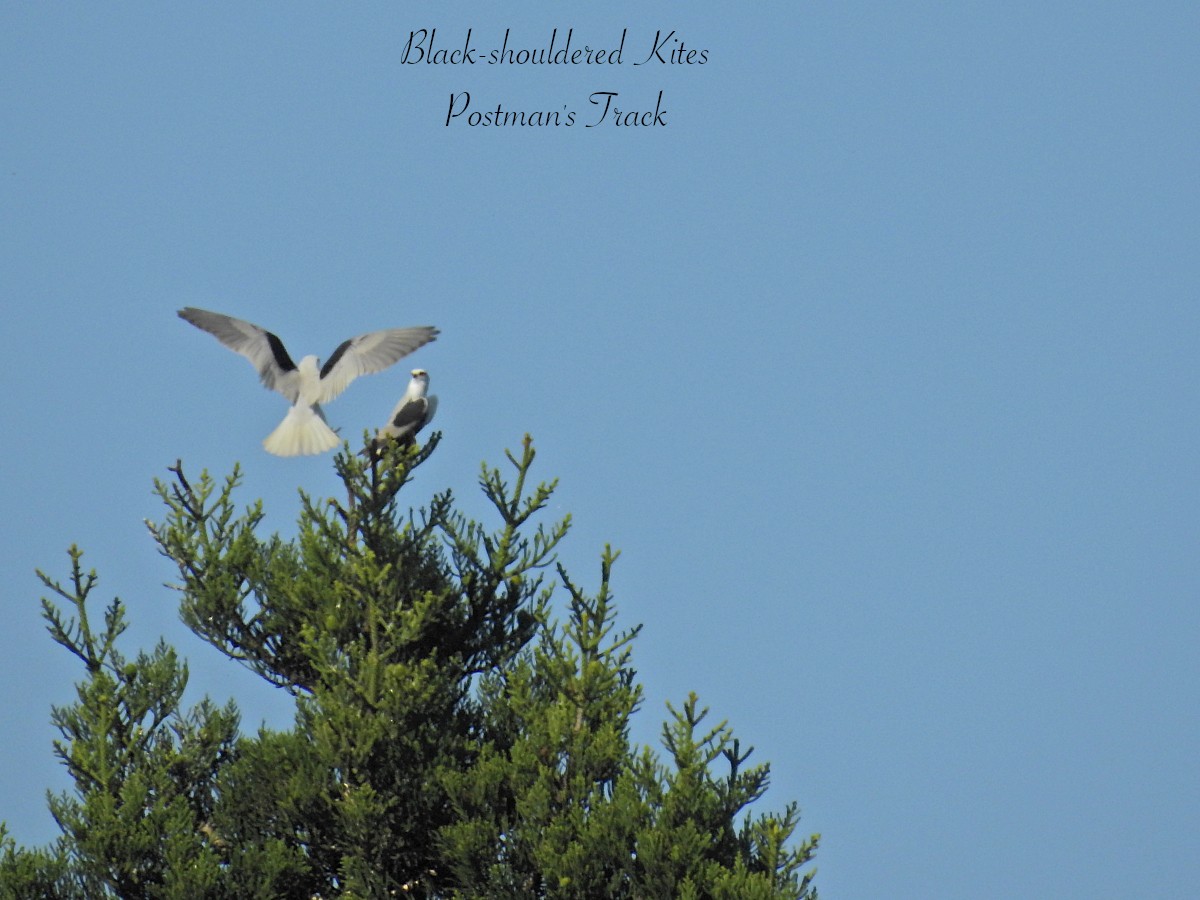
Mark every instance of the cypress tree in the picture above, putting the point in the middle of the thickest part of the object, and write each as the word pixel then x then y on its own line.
pixel 453 737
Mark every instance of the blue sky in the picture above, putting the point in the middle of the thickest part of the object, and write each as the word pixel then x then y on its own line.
pixel 878 362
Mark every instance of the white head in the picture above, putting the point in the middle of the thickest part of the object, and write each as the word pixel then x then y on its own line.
pixel 419 383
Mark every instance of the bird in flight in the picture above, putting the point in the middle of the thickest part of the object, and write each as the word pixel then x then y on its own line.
pixel 412 413
pixel 303 430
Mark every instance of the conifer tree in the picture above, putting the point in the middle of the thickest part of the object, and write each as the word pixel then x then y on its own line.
pixel 452 738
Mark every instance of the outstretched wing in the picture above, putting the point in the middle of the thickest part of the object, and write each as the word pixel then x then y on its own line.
pixel 369 353
pixel 264 350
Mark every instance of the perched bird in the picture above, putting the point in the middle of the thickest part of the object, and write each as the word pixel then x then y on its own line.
pixel 412 413
pixel 303 430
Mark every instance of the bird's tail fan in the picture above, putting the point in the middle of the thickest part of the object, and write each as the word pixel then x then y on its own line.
pixel 302 432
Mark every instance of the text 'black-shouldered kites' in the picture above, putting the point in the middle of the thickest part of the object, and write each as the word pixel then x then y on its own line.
pixel 303 430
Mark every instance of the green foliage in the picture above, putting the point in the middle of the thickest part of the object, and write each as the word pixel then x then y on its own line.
pixel 451 738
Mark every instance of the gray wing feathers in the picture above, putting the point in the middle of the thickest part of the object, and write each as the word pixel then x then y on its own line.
pixel 264 350
pixel 369 353
pixel 409 416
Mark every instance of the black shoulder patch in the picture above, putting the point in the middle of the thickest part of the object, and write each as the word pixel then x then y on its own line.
pixel 337 354
pixel 280 353
pixel 411 412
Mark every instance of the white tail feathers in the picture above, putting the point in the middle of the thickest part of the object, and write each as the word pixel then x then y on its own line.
pixel 302 432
